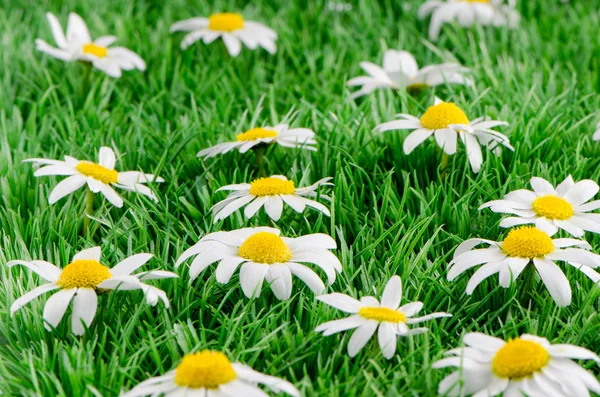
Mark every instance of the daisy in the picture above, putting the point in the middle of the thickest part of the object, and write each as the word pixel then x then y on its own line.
pixel 400 70
pixel 232 28
pixel 525 246
pixel 100 177
pixel 263 254
pixel 81 280
pixel 271 193
pixel 78 45
pixel 210 373
pixel 280 134
pixel 469 12
pixel 368 314
pixel 446 122
pixel 527 365
pixel 565 207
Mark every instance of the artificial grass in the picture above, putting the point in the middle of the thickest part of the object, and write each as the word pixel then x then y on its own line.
pixel 391 213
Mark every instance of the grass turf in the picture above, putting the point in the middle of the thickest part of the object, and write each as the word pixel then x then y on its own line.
pixel 391 214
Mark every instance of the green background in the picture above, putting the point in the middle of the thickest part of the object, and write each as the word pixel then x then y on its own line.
pixel 391 214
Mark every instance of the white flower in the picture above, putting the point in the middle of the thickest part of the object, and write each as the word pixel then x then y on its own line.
pixel 368 314
pixel 79 282
pixel 271 193
pixel 99 177
pixel 565 207
pixel 400 70
pixel 596 136
pixel 467 13
pixel 446 122
pixel 527 365
pixel 211 374
pixel 78 45
pixel 525 246
pixel 232 28
pixel 263 254
pixel 280 134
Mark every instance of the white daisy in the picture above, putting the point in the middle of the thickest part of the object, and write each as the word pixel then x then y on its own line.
pixel 210 374
pixel 527 365
pixel 281 134
pixel 446 122
pixel 78 45
pixel 525 246
pixel 400 70
pixel 232 28
pixel 271 193
pixel 80 281
pixel 565 207
pixel 100 178
pixel 469 12
pixel 263 254
pixel 368 314
pixel 596 136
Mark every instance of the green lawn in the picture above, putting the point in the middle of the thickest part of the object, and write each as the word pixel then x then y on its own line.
pixel 391 213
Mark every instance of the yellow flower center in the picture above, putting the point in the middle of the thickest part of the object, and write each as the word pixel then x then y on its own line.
pixel 553 207
pixel 442 115
pixel 205 369
pixel 265 247
pixel 96 50
pixel 225 22
pixel 382 314
pixel 527 242
pixel 97 172
pixel 256 133
pixel 83 273
pixel 519 358
pixel 271 187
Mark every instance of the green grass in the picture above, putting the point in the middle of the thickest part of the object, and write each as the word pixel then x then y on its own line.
pixel 391 213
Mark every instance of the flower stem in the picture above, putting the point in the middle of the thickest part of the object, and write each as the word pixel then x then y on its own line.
pixel 444 165
pixel 89 210
pixel 528 285
pixel 260 160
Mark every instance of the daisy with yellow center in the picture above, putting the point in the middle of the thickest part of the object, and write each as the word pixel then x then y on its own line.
pixel 524 366
pixel 262 254
pixel 565 207
pixel 232 28
pixel 468 13
pixel 80 282
pixel 368 315
pixel 254 138
pixel 270 193
pixel 78 45
pixel 99 177
pixel 447 122
pixel 210 373
pixel 525 246
pixel 400 70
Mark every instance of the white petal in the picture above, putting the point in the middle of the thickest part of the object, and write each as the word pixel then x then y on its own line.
pixel 555 281
pixel 333 327
pixel 85 305
pixel 56 306
pixel 65 187
pixel 131 264
pixel 341 302
pixel 106 158
pixel 361 336
pixel 31 295
pixel 89 253
pixel 392 294
pixel 252 276
pixel 280 278
pixel 387 339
